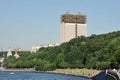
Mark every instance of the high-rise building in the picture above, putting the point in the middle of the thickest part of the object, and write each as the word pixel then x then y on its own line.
pixel 72 26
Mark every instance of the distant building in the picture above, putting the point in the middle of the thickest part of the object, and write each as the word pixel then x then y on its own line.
pixel 1 60
pixel 72 26
pixel 9 53
pixel 17 49
pixel 36 48
pixel 16 55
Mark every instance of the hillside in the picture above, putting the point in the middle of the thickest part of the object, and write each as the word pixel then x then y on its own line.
pixel 97 52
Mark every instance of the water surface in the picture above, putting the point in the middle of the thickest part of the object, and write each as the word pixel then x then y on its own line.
pixel 36 76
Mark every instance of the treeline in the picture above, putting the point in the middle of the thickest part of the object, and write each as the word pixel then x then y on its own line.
pixel 96 52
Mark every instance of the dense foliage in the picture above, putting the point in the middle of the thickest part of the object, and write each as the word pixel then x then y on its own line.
pixel 97 52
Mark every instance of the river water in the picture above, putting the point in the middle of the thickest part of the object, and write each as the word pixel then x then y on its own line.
pixel 36 76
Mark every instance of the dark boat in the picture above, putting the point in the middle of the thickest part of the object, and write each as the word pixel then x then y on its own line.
pixel 107 75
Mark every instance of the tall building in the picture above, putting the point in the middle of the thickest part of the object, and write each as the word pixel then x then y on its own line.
pixel 72 26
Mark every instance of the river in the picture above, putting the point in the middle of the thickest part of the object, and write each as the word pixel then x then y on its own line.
pixel 36 76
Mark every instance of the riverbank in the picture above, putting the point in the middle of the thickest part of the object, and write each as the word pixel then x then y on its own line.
pixel 78 72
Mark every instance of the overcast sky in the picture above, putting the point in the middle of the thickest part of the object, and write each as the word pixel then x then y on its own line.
pixel 26 23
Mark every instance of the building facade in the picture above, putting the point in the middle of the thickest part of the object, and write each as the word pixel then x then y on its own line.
pixel 9 53
pixel 72 26
pixel 36 48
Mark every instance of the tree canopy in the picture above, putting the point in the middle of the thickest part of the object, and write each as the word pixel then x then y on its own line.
pixel 96 51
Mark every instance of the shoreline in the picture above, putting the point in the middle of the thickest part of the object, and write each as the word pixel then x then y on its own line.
pixel 79 72
pixel 85 73
pixel 19 70
pixel 68 74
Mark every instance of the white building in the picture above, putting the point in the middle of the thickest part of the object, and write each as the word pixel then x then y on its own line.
pixel 9 53
pixel 72 26
pixel 36 48
pixel 1 60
